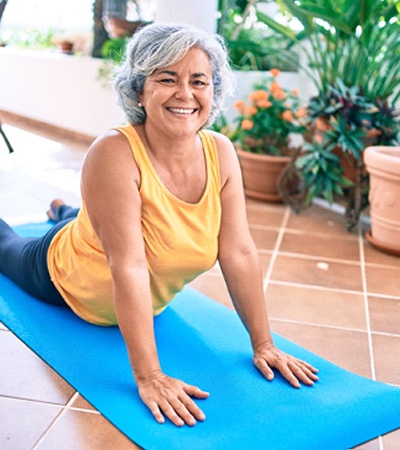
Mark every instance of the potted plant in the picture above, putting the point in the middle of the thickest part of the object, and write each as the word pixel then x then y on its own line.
pixel 383 164
pixel 267 123
pixel 352 50
pixel 344 123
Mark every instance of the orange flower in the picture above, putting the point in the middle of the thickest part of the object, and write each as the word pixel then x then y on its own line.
pixel 240 105
pixel 264 104
pixel 295 92
pixel 274 86
pixel 302 112
pixel 247 124
pixel 287 115
pixel 258 95
pixel 279 94
pixel 275 72
pixel 251 110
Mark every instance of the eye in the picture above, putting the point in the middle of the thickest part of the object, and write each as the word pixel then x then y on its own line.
pixel 200 84
pixel 166 81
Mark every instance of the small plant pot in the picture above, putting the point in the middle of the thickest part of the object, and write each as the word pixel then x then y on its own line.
pixel 260 175
pixel 66 47
pixel 383 165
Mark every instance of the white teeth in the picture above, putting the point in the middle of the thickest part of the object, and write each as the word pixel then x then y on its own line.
pixel 181 111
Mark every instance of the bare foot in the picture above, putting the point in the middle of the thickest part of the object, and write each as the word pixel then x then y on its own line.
pixel 53 212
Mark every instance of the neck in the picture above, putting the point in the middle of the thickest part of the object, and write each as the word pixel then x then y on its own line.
pixel 169 149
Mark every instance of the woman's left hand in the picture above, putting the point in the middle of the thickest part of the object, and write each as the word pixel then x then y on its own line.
pixel 267 356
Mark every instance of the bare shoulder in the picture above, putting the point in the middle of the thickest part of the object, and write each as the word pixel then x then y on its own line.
pixel 112 143
pixel 228 160
pixel 110 151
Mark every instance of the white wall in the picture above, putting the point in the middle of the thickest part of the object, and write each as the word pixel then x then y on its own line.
pixel 65 91
pixel 200 13
pixel 59 89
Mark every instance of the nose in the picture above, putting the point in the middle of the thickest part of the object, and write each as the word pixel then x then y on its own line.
pixel 184 91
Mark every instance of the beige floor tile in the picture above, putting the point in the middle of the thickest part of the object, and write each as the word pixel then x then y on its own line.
pixel 263 214
pixel 316 306
pixel 321 245
pixel 371 445
pixel 336 275
pixel 81 403
pixel 347 349
pixel 214 287
pixel 320 220
pixel 265 239
pixel 383 280
pixel 386 355
pixel 80 430
pixel 384 314
pixel 23 422
pixel 391 441
pixel 374 256
pixel 25 375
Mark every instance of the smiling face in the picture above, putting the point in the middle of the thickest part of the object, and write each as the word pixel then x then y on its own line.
pixel 178 98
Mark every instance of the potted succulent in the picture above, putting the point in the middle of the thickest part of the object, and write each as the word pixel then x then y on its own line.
pixel 352 55
pixel 267 123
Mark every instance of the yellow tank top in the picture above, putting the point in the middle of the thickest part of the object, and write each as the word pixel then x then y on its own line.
pixel 181 241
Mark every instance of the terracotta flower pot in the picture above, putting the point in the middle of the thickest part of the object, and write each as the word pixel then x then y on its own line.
pixel 260 174
pixel 66 47
pixel 383 165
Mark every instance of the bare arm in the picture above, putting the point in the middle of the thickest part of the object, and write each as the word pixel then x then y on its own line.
pixel 240 265
pixel 110 186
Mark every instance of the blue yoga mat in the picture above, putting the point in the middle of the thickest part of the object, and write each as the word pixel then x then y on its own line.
pixel 204 344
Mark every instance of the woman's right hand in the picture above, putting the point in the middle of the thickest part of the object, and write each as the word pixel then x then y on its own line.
pixel 171 397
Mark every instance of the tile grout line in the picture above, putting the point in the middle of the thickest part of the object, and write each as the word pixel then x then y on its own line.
pixel 366 305
pixel 274 255
pixel 367 314
pixel 331 289
pixel 50 404
pixel 55 421
pixel 332 327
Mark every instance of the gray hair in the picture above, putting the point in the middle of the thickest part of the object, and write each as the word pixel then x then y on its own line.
pixel 160 45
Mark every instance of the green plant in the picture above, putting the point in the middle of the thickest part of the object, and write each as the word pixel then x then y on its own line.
pixel 114 49
pixel 33 38
pixel 350 120
pixel 252 45
pixel 352 49
pixel 271 116
pixel 112 52
pixel 357 41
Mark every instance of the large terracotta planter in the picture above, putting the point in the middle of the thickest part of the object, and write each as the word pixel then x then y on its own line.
pixel 383 165
pixel 260 175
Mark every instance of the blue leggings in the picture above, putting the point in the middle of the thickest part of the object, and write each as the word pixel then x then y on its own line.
pixel 24 260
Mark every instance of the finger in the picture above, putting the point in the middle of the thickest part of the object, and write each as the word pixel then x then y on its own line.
pixel 287 373
pixel 306 364
pixel 183 412
pixel 155 410
pixel 303 373
pixel 172 414
pixel 264 368
pixel 194 391
pixel 191 406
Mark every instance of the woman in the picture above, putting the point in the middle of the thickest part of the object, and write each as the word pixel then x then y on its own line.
pixel 162 201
